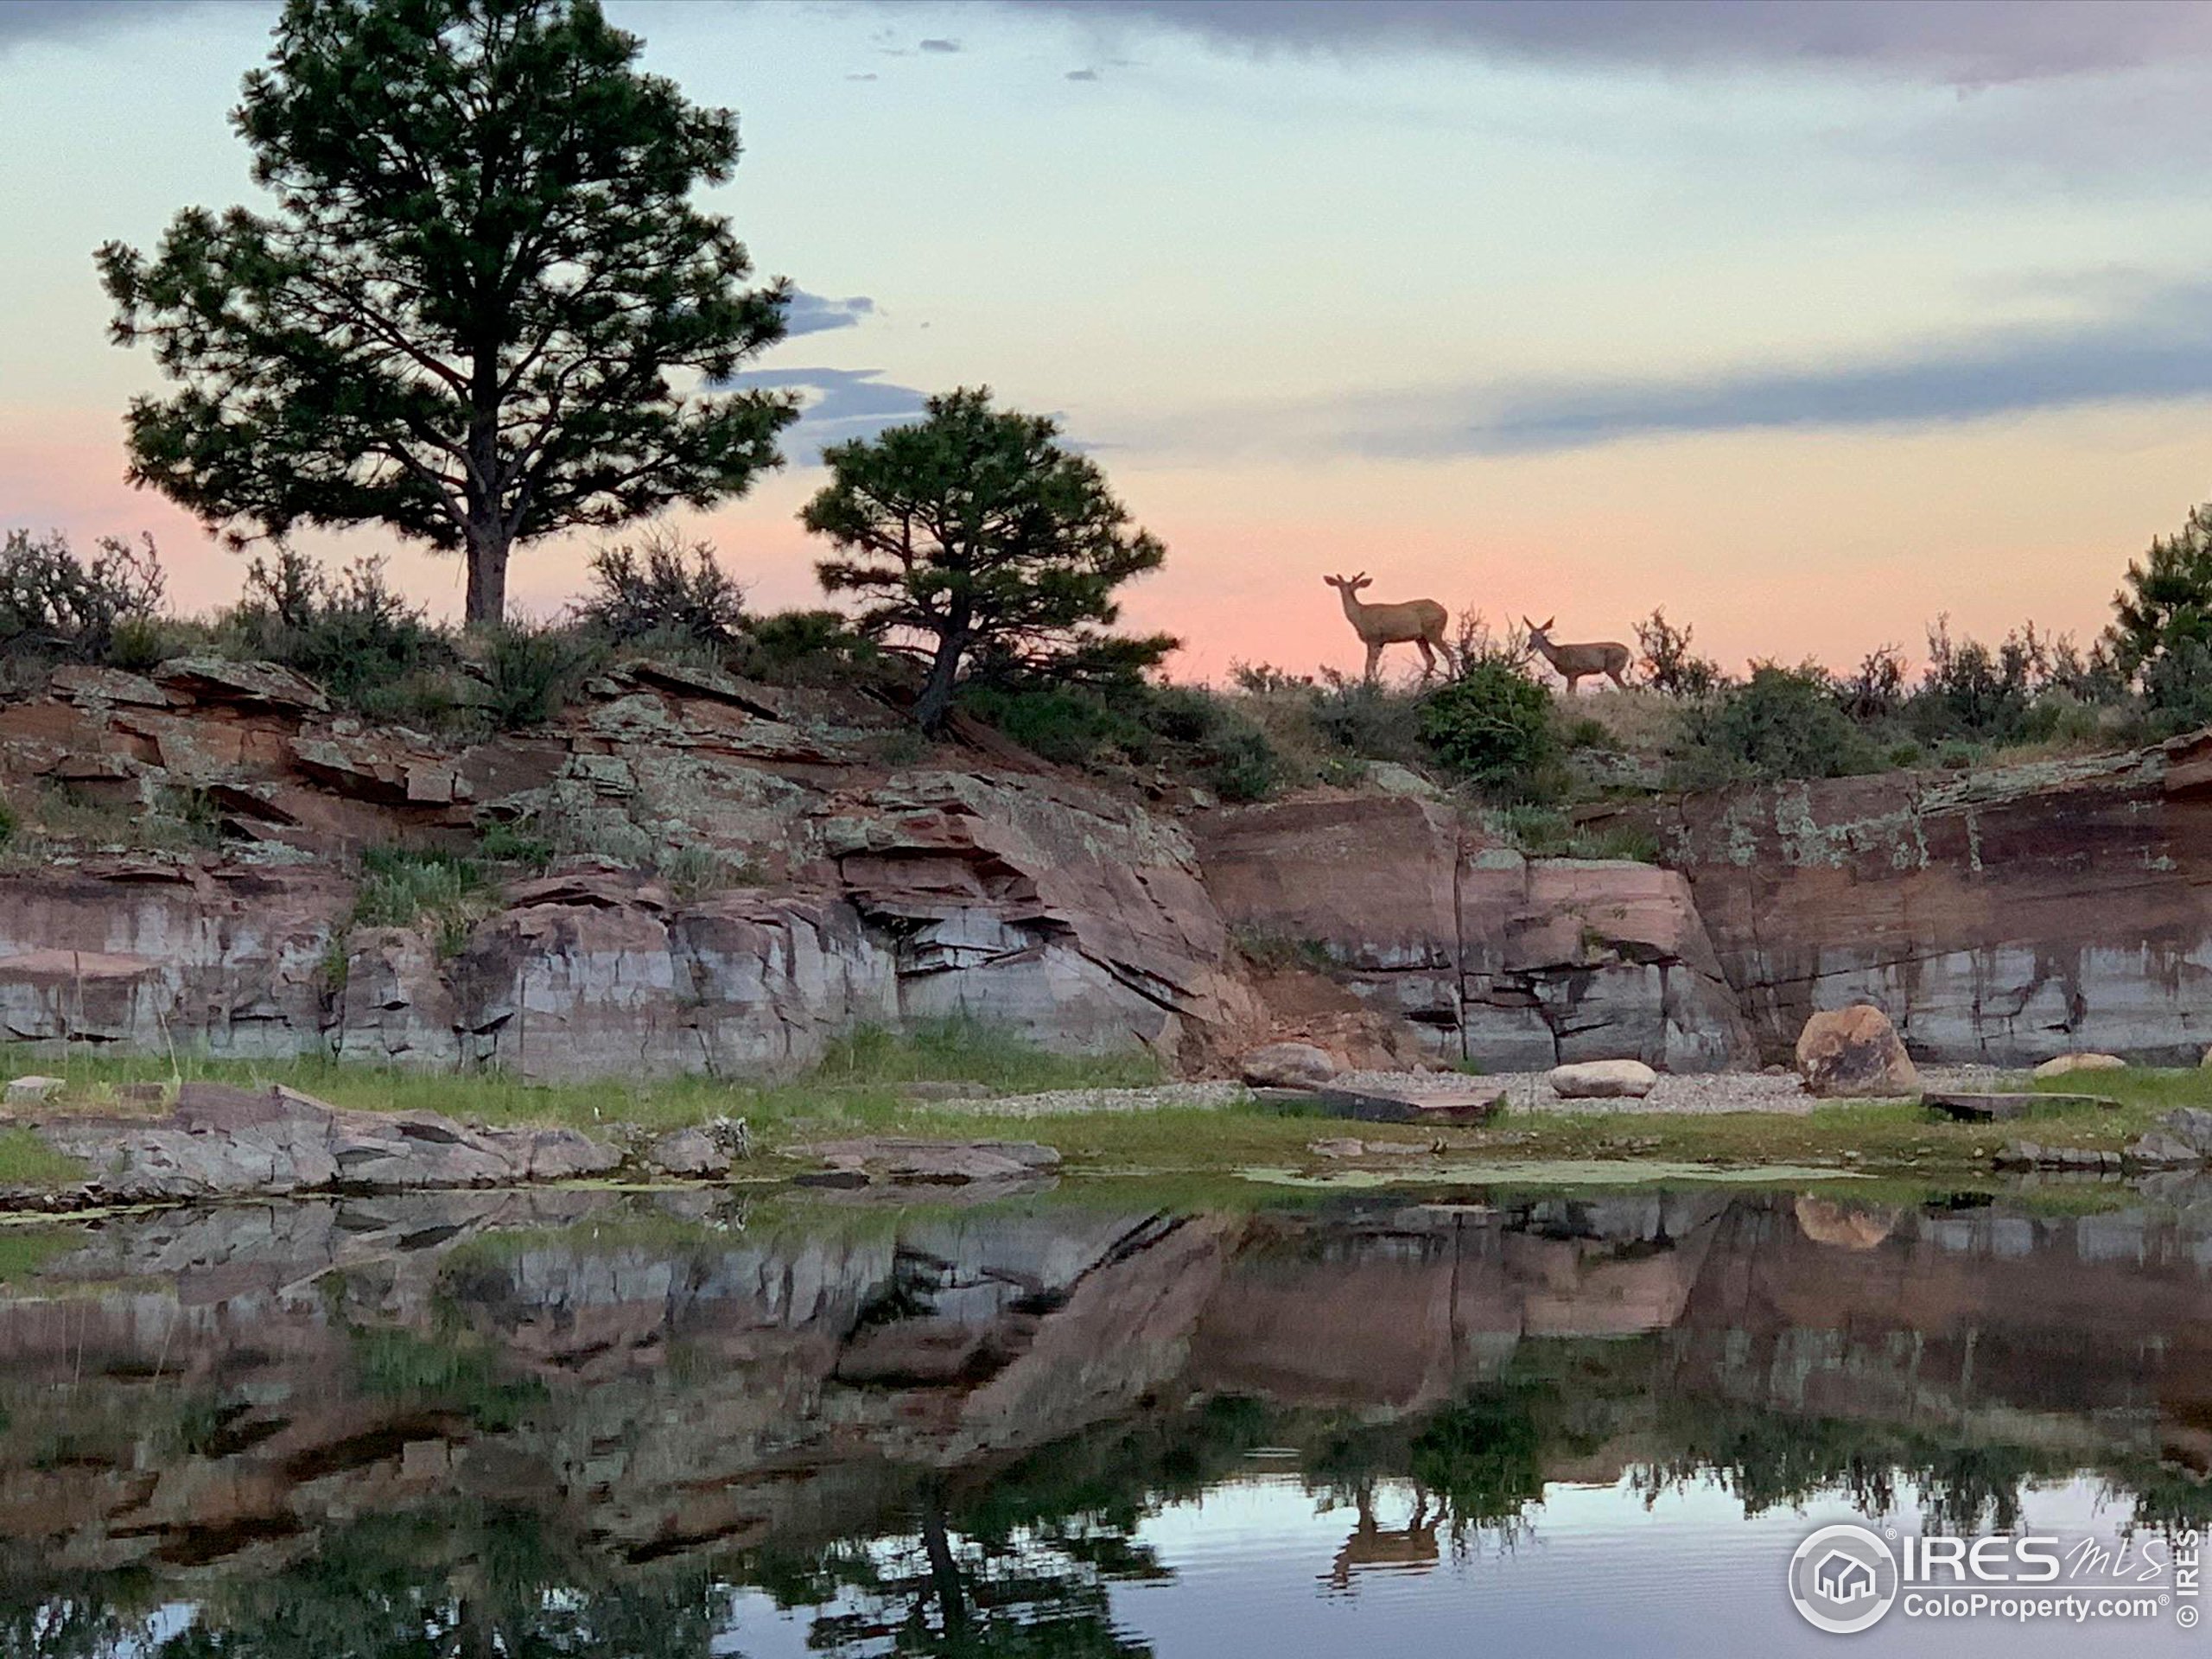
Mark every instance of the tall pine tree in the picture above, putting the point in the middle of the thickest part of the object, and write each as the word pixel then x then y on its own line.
pixel 483 310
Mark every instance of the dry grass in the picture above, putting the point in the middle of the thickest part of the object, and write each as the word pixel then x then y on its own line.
pixel 1639 721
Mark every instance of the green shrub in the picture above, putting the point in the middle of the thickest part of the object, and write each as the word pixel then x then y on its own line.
pixel 662 588
pixel 1132 722
pixel 1782 722
pixel 352 634
pixel 505 843
pixel 1493 726
pixel 808 648
pixel 402 887
pixel 532 671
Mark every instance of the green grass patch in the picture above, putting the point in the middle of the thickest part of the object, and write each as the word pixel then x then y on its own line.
pixel 26 1161
pixel 403 886
pixel 25 1249
pixel 856 1087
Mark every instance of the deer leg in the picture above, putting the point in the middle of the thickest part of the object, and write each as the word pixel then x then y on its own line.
pixel 1614 675
pixel 1573 680
pixel 1374 655
pixel 1428 660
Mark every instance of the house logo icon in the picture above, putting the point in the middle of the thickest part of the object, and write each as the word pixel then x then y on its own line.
pixel 1843 1579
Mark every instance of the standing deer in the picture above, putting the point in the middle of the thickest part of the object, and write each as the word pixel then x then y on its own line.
pixel 1417 621
pixel 1606 656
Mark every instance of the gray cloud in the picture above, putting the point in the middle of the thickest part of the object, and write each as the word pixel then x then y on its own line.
pixel 814 313
pixel 1083 74
pixel 1949 40
pixel 839 404
pixel 2160 351
pixel 942 46
pixel 22 21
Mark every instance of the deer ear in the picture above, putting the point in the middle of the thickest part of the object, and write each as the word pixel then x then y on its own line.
pixel 1547 623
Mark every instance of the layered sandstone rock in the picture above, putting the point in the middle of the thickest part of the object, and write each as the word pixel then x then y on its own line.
pixel 2005 915
pixel 224 1142
pixel 1518 963
pixel 852 894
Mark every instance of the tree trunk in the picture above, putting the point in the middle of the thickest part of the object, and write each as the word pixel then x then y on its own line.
pixel 936 701
pixel 945 1574
pixel 486 604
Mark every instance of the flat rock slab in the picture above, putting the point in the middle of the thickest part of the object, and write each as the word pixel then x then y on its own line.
pixel 1385 1106
pixel 220 1141
pixel 896 1160
pixel 2002 1108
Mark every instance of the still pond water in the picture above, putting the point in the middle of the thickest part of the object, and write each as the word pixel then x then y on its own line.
pixel 1080 1423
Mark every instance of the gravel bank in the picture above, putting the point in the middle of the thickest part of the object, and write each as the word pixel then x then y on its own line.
pixel 1712 1091
pixel 1061 1101
pixel 1704 1092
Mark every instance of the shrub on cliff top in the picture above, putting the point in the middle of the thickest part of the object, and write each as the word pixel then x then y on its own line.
pixel 351 633
pixel 532 671
pixel 55 603
pixel 661 590
pixel 1782 722
pixel 1492 726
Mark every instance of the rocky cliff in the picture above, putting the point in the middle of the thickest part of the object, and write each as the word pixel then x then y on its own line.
pixel 1515 963
pixel 2005 915
pixel 841 890
pixel 739 872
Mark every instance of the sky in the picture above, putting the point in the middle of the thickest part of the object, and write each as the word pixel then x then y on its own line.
pixel 1805 321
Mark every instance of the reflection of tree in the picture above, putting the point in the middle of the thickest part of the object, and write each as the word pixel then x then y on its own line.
pixel 68 1626
pixel 1770 1459
pixel 1038 1584
pixel 454 1584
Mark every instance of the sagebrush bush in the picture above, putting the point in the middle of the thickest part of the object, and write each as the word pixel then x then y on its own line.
pixel 55 603
pixel 663 589
pixel 403 886
pixel 531 672
pixel 1368 719
pixel 351 633
pixel 1782 722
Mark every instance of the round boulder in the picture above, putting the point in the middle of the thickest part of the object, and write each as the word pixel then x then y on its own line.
pixel 688 1155
pixel 2059 1065
pixel 1854 1051
pixel 1602 1080
pixel 1285 1066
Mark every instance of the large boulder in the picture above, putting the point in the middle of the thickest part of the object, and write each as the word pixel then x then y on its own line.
pixel 1285 1066
pixel 1602 1080
pixel 2064 1065
pixel 1854 1051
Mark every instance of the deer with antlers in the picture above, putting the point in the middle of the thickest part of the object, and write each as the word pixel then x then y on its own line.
pixel 1415 621
pixel 1606 657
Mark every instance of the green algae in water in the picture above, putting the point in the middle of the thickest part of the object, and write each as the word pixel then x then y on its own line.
pixel 1565 1172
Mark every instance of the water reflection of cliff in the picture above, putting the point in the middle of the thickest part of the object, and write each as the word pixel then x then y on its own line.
pixel 939 1424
